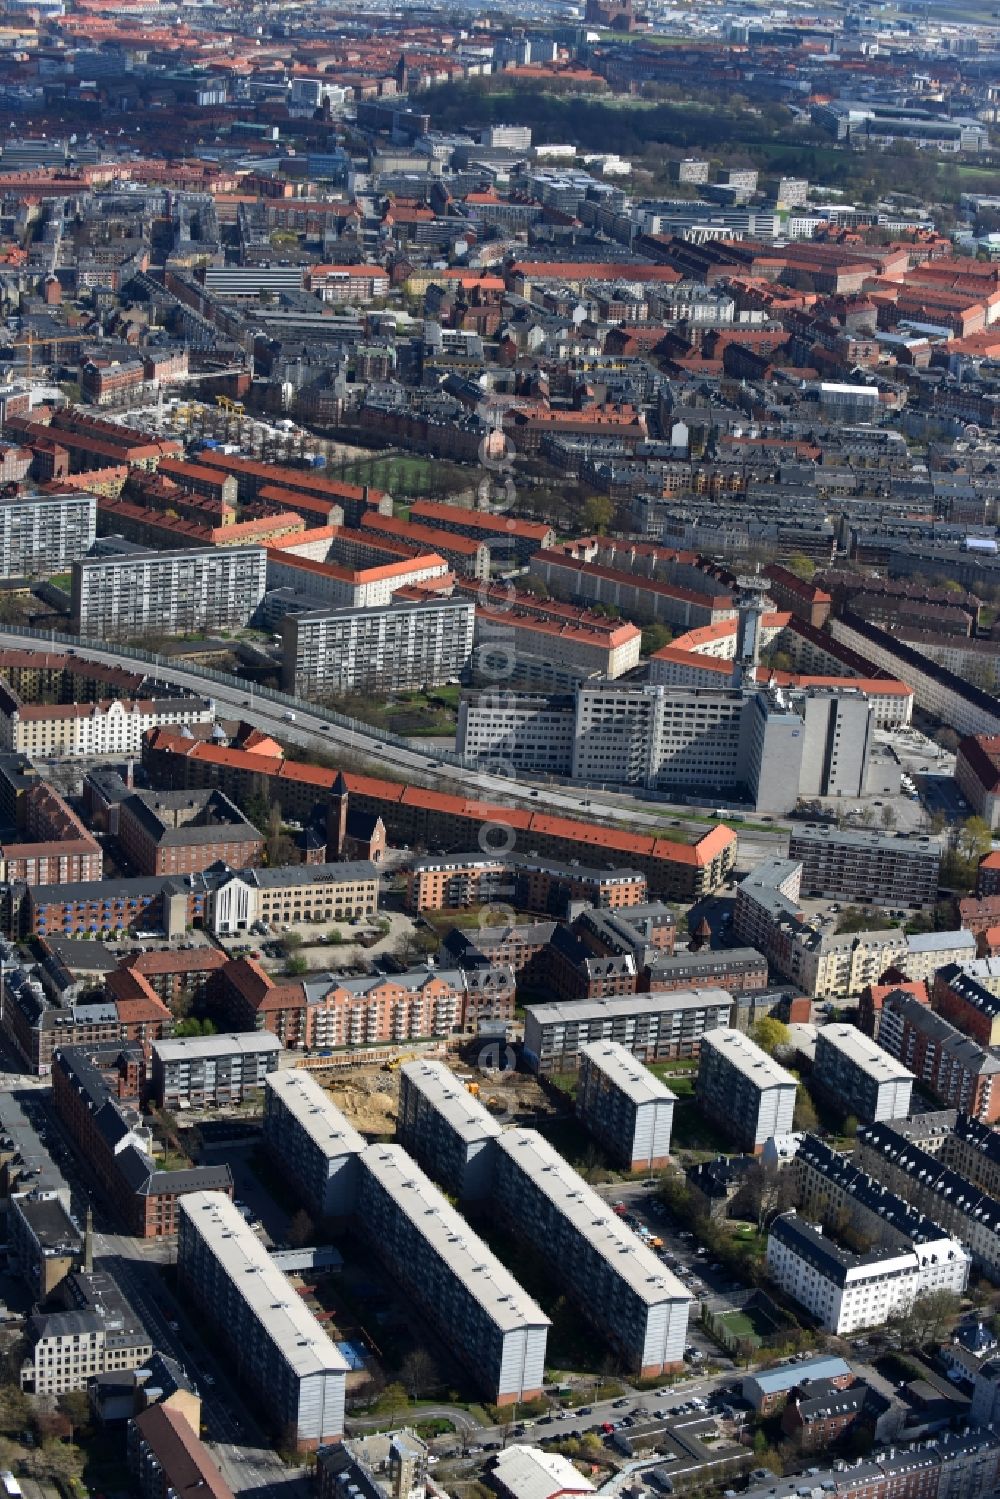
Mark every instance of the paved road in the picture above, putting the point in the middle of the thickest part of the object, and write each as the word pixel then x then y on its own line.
pixel 311 731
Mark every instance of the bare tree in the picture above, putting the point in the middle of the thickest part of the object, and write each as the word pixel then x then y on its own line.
pixel 419 1373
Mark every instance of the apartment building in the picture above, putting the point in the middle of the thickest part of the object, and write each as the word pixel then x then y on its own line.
pixel 477 879
pixel 637 596
pixel 44 1243
pixel 823 963
pixel 859 1077
pixel 168 592
pixel 619 1285
pixel 96 1092
pixel 846 1291
pixel 471 1299
pixel 277 1348
pixel 654 1027
pixel 959 1072
pixel 932 1187
pixel 624 1107
pixel 446 1130
pixel 212 1070
pixel 511 541
pixel 185 832
pixel 373 1010
pixel 168 1460
pixel 740 970
pixel 674 869
pixel 339 585
pixel 42 534
pixel 311 1143
pixel 744 1090
pixel 85 730
pixel 970 999
pixel 465 557
pixel 883 869
pixel 953 1463
pixel 98 1332
pixel 386 649
pixel 977 774
pixel 546 644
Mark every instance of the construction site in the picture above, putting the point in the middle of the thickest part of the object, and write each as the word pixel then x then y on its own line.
pixel 369 1097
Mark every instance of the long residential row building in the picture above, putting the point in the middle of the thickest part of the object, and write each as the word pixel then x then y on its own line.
pixel 618 1283
pixel 414 815
pixel 474 1303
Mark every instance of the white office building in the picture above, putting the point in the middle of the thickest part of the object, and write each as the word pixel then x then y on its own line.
pixel 744 1090
pixel 274 1343
pixel 629 1296
pixel 859 1076
pixel 312 1143
pixel 624 1106
pixel 170 593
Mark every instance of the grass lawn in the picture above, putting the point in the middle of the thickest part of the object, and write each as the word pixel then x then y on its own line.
pixel 691 1131
pixel 407 473
pixel 682 1086
pixel 738 1323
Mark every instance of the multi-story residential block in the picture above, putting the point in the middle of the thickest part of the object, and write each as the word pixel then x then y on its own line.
pixel 279 1351
pixel 846 1291
pixel 877 868
pixel 509 540
pixel 625 1107
pixel 740 970
pixel 654 1027
pixel 168 1459
pixel 385 649
pixel 931 1187
pixel 212 1070
pixel 167 592
pixel 474 1302
pixel 970 999
pixel 769 915
pixel 926 952
pixel 967 1464
pixel 412 814
pixel 477 879
pixel 977 773
pixel 546 645
pixel 744 1090
pixel 57 706
pixel 620 1286
pixel 44 1243
pixel 42 534
pixel 446 1129
pixel 226 902
pixel 859 1076
pixel 98 1333
pixel 959 1072
pixel 374 1010
pixel 312 1143
pixel 344 585
pixel 96 1090
pixel 185 832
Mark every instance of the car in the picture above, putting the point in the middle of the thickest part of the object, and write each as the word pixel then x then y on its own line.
pixel 585 1410
pixel 619 1404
